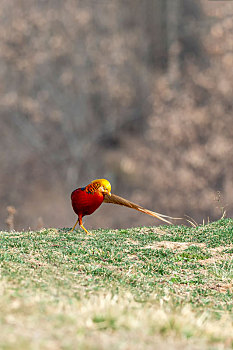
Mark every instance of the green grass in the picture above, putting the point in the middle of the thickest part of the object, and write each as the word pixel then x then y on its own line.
pixel 140 288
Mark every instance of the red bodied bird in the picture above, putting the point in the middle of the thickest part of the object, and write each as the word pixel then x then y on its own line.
pixel 86 200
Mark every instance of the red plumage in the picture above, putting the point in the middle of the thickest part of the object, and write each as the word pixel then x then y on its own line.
pixel 85 203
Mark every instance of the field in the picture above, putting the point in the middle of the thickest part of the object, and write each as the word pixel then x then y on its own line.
pixel 167 287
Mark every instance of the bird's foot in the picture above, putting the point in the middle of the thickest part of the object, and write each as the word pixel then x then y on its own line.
pixel 87 232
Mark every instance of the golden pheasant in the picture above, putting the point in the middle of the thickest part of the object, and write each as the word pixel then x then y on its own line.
pixel 86 200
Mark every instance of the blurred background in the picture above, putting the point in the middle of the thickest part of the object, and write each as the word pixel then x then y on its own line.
pixel 136 91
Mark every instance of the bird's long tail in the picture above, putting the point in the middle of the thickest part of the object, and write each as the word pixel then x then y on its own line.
pixel 113 198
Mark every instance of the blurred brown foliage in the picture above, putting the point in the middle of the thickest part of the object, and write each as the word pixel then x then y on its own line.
pixel 139 92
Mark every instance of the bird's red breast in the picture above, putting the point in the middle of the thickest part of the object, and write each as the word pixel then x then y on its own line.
pixel 85 201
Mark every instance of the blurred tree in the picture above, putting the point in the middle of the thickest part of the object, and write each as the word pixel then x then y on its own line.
pixel 131 90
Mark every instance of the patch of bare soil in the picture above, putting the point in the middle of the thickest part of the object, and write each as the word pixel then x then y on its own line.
pixel 174 245
pixel 222 287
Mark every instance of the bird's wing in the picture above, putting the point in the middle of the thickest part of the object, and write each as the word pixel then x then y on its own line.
pixel 122 201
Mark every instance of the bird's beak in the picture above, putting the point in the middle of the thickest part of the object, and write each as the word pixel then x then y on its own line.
pixel 107 192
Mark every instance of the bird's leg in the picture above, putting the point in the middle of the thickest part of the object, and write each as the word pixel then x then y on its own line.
pixel 81 225
pixel 75 225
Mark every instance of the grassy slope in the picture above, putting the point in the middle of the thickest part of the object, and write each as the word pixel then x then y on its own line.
pixel 140 288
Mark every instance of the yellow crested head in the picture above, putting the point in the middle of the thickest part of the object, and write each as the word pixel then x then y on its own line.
pixel 104 185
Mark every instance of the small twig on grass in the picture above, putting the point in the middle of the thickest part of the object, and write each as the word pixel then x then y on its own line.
pixel 191 221
pixel 221 206
pixel 40 223
pixel 10 218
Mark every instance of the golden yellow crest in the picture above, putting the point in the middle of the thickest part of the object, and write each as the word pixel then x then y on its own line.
pixel 102 184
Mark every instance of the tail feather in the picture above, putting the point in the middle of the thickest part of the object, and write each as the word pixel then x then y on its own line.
pixel 122 201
